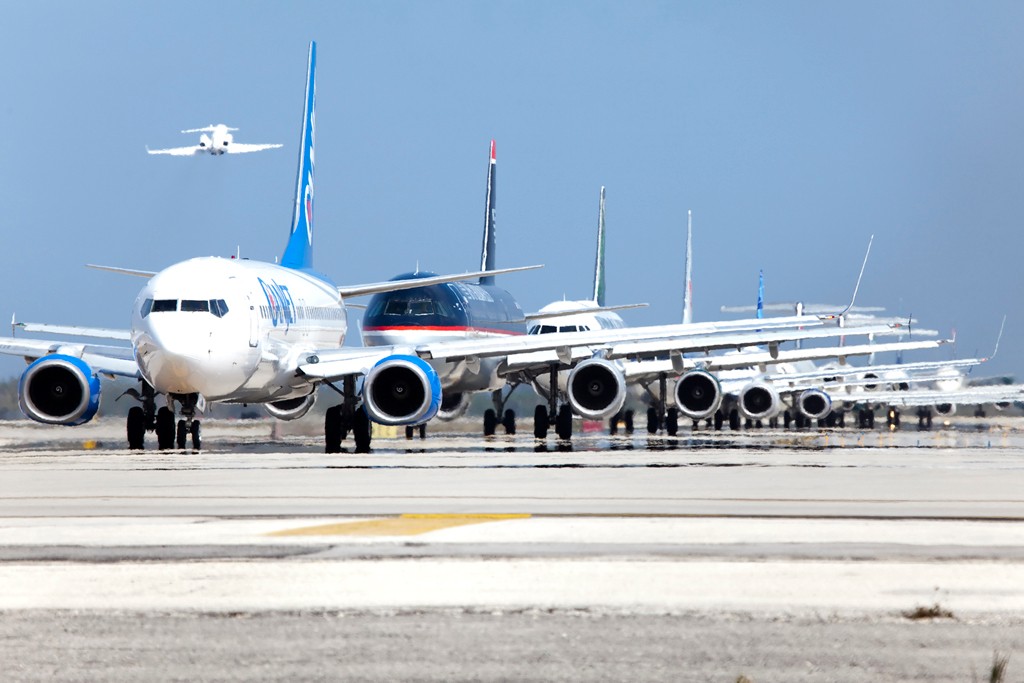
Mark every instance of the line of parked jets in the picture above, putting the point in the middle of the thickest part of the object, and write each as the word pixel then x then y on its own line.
pixel 226 330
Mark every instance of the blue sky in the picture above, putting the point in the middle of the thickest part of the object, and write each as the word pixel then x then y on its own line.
pixel 793 130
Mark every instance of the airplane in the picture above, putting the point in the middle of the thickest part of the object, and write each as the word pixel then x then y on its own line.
pixel 218 142
pixel 219 330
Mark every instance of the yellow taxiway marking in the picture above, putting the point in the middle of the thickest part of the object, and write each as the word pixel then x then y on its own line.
pixel 404 525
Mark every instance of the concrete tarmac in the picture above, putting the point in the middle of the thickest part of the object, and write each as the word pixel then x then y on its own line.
pixel 813 556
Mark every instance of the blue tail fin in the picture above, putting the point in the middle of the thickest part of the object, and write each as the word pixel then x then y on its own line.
pixel 760 294
pixel 599 262
pixel 487 252
pixel 299 251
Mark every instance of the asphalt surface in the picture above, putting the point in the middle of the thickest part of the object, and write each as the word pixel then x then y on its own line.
pixel 812 556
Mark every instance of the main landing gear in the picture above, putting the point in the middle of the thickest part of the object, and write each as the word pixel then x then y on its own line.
pixel 659 415
pixel 348 416
pixel 146 417
pixel 553 414
pixel 508 416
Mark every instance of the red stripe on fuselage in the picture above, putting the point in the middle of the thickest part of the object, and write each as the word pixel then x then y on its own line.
pixel 439 328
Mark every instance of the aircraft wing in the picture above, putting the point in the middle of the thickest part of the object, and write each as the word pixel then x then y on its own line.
pixel 76 331
pixel 106 360
pixel 176 151
pixel 1003 393
pixel 242 147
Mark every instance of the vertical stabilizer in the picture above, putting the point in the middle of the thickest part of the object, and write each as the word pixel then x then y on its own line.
pixel 599 259
pixel 487 251
pixel 299 251
pixel 760 294
pixel 688 272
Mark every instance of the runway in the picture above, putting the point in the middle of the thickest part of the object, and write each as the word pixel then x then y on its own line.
pixel 758 549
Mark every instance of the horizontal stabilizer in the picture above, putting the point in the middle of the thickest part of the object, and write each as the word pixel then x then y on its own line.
pixel 396 285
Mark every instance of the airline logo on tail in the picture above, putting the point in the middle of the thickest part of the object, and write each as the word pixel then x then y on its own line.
pixel 299 251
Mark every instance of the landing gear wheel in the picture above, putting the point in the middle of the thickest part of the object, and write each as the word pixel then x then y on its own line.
pixel 628 418
pixel 490 422
pixel 332 430
pixel 613 424
pixel 672 421
pixel 423 431
pixel 541 423
pixel 196 441
pixel 652 420
pixel 734 420
pixel 164 428
pixel 719 419
pixel 182 434
pixel 361 431
pixel 563 423
pixel 509 421
pixel 136 429
pixel 409 433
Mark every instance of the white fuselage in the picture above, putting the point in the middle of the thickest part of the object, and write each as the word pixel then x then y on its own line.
pixel 233 330
pixel 218 141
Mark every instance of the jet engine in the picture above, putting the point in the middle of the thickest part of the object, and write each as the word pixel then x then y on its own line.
pixel 59 389
pixel 401 390
pixel 205 142
pixel 698 394
pixel 814 404
pixel 870 375
pixel 596 389
pixel 759 401
pixel 945 409
pixel 453 405
pixel 291 408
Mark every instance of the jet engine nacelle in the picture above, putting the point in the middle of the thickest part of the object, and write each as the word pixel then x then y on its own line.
pixel 401 390
pixel 453 405
pixel 596 389
pixel 698 394
pixel 945 409
pixel 205 142
pixel 814 404
pixel 291 408
pixel 60 390
pixel 759 401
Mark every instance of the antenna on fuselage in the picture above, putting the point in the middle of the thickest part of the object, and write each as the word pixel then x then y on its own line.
pixel 487 250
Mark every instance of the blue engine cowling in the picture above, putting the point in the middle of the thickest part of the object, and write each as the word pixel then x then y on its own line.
pixel 401 390
pixel 58 389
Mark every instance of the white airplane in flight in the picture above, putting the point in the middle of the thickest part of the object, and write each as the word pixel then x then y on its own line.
pixel 219 141
pixel 223 330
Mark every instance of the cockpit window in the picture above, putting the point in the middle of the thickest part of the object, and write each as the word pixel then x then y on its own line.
pixel 165 305
pixel 421 307
pixel 195 306
pixel 147 306
pixel 396 307
pixel 219 307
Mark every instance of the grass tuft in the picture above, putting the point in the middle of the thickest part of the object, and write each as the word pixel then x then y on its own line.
pixel 935 611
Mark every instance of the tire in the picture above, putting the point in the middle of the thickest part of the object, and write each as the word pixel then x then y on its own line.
pixel 423 431
pixel 490 422
pixel 332 430
pixel 672 422
pixel 361 431
pixel 197 442
pixel 563 423
pixel 541 423
pixel 652 420
pixel 613 424
pixel 509 421
pixel 628 418
pixel 409 433
pixel 719 419
pixel 734 420
pixel 136 428
pixel 165 428
pixel 182 434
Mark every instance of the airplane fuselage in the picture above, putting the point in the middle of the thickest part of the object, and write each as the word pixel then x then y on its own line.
pixel 230 330
pixel 452 311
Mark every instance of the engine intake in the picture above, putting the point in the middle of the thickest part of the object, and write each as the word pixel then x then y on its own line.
pixel 401 390
pixel 945 409
pixel 698 394
pixel 596 389
pixel 291 408
pixel 814 404
pixel 759 400
pixel 59 389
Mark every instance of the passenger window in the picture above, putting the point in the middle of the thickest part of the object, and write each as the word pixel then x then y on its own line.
pixel 195 306
pixel 165 305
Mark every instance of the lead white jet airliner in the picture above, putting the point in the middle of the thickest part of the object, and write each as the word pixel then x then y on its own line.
pixel 225 330
pixel 219 141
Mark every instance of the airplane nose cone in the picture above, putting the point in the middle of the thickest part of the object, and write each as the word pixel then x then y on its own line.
pixel 186 358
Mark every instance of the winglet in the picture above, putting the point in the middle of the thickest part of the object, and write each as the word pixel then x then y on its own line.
pixel 299 251
pixel 487 250
pixel 856 287
pixel 599 260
